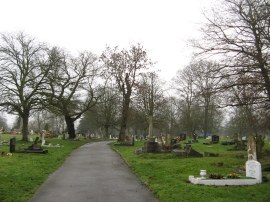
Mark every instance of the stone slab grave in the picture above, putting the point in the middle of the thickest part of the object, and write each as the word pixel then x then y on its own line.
pixel 129 141
pixel 253 172
pixel 34 148
pixel 187 151
pixel 214 140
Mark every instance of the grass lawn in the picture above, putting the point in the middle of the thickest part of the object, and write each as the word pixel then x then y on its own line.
pixel 167 174
pixel 21 174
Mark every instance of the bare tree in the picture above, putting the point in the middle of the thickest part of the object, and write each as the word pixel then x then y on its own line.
pixel 207 83
pixel 107 109
pixel 186 91
pixel 70 86
pixel 150 97
pixel 3 123
pixel 23 71
pixel 238 33
pixel 124 66
pixel 42 119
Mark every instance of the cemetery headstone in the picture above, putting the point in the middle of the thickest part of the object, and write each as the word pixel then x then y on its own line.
pixel 194 136
pixel 182 136
pixel 215 139
pixel 35 145
pixel 151 147
pixel 43 138
pixel 12 145
pixel 34 148
pixel 253 167
pixel 254 170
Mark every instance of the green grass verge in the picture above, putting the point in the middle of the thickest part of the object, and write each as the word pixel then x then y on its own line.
pixel 167 174
pixel 22 173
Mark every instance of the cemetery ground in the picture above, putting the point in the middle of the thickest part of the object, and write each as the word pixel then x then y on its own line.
pixel 166 174
pixel 22 173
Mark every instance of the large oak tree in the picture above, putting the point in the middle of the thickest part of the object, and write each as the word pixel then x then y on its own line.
pixel 23 70
pixel 125 66
pixel 70 87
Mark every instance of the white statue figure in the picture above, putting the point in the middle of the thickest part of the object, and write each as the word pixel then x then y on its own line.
pixel 43 138
pixel 252 155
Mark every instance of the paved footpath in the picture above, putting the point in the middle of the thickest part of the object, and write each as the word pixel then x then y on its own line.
pixel 93 173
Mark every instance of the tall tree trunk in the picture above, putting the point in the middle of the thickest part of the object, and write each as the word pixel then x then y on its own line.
pixel 70 127
pixel 253 131
pixel 150 130
pixel 25 120
pixel 18 122
pixel 125 112
pixel 265 75
pixel 189 122
pixel 206 118
pixel 106 127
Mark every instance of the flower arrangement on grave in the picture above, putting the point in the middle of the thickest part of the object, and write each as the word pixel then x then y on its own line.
pixel 215 176
pixel 233 176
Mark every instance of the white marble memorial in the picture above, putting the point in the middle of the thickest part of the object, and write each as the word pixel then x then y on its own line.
pixel 254 170
pixel 43 142
pixel 223 182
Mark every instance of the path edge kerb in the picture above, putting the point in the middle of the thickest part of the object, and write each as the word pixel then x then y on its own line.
pixel 131 170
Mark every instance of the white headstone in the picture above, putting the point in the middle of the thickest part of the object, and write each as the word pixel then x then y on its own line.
pixel 254 170
pixel 43 139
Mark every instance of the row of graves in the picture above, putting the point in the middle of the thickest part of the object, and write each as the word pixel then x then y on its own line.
pixel 165 144
pixel 253 168
pixel 38 146
pixel 34 148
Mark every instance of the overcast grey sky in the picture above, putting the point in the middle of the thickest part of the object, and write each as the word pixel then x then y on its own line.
pixel 162 26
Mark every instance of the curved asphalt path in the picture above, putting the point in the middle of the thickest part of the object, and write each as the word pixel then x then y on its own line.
pixel 93 173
